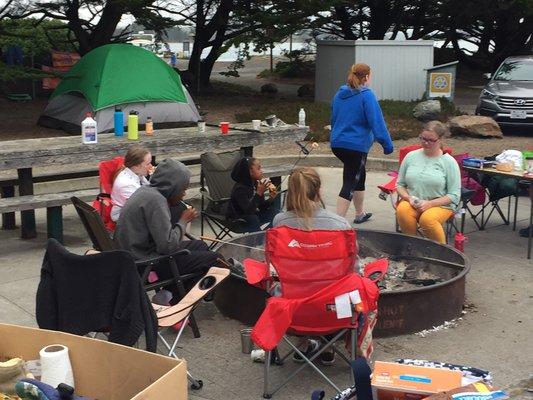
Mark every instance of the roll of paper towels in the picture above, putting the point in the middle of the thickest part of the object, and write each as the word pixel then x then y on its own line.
pixel 55 365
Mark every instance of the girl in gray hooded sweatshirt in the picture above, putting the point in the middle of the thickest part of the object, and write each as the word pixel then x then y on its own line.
pixel 145 226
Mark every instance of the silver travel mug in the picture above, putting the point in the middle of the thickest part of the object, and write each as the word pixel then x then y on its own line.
pixel 246 341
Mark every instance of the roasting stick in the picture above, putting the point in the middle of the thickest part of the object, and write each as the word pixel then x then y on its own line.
pixel 230 243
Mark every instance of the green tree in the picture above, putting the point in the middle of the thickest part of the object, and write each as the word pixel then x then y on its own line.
pixel 34 36
pixel 220 24
pixel 498 28
pixel 93 23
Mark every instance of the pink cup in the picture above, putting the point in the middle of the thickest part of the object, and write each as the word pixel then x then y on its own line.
pixel 224 128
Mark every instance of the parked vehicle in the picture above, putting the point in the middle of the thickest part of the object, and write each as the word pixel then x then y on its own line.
pixel 508 96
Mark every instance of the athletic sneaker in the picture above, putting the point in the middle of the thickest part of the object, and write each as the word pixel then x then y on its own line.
pixel 524 232
pixel 362 218
pixel 312 347
pixel 327 357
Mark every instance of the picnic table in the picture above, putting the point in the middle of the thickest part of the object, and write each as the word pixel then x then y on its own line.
pixel 519 176
pixel 26 155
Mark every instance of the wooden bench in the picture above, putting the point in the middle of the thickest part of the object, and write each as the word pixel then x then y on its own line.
pixel 7 189
pixel 53 202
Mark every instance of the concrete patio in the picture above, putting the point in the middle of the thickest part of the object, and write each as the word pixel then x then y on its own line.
pixel 493 334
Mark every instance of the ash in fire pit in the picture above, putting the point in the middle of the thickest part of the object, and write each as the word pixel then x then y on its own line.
pixel 403 275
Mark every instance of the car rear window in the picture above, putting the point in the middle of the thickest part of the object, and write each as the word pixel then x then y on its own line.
pixel 515 70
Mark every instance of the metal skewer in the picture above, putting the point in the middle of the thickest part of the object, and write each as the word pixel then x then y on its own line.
pixel 230 243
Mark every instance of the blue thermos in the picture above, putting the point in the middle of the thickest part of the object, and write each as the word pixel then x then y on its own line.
pixel 119 122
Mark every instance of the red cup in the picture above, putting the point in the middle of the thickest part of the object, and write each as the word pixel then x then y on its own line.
pixel 224 128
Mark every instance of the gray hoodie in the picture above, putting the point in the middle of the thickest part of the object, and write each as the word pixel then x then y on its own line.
pixel 144 227
pixel 322 219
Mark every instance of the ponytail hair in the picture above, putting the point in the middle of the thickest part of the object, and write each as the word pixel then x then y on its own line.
pixel 134 156
pixel 303 194
pixel 357 75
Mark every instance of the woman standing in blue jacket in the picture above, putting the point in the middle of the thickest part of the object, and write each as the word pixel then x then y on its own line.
pixel 356 122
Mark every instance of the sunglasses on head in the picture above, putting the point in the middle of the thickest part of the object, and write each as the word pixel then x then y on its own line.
pixel 427 140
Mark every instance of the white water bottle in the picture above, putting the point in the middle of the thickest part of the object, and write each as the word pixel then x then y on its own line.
pixel 301 117
pixel 89 132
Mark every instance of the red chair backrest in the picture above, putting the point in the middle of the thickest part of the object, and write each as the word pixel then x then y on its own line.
pixel 307 261
pixel 407 149
pixel 106 171
pixel 106 174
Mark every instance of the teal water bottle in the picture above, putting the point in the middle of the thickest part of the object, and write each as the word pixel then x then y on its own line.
pixel 119 122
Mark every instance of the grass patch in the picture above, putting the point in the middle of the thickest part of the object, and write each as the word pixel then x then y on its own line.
pixel 317 114
pixel 398 116
pixel 226 89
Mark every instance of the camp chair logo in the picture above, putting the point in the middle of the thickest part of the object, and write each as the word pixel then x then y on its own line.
pixel 295 243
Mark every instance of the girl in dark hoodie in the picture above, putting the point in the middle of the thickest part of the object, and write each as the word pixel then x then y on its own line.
pixel 248 196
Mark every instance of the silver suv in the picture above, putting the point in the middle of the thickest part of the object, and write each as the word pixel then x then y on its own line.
pixel 508 97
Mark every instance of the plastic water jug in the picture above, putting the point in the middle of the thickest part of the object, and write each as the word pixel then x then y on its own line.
pixel 119 122
pixel 89 132
pixel 133 125
pixel 301 117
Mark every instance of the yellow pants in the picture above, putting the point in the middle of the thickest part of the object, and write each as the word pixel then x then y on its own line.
pixel 430 221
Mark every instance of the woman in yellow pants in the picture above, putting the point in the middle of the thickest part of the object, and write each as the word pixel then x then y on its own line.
pixel 429 186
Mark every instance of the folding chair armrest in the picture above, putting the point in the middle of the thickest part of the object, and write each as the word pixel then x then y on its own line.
pixel 467 194
pixel 256 272
pixel 190 236
pixel 157 260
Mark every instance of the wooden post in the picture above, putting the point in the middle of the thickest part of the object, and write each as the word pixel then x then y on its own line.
pixel 8 219
pixel 27 218
pixel 54 222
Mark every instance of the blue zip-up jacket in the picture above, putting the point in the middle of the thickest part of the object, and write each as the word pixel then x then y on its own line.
pixel 357 121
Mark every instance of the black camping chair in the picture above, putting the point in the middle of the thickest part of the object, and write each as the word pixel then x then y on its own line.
pixel 64 274
pixel 216 186
pixel 498 188
pixel 102 241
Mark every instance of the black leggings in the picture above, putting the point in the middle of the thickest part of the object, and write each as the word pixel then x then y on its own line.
pixel 353 173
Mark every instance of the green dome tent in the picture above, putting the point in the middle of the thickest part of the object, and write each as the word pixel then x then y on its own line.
pixel 120 75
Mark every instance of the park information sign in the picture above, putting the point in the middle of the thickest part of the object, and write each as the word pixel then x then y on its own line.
pixel 440 84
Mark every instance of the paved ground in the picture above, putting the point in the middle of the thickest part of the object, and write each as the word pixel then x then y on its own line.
pixel 495 333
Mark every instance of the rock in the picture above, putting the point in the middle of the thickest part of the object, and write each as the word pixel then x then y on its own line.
pixel 306 90
pixel 269 88
pixel 427 110
pixel 475 125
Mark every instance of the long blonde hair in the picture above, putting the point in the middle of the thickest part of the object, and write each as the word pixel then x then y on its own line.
pixel 357 75
pixel 303 194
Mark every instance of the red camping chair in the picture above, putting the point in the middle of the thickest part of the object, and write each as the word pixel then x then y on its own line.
pixel 313 268
pixel 103 204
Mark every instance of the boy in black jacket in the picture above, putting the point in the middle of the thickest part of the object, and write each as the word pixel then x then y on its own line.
pixel 248 195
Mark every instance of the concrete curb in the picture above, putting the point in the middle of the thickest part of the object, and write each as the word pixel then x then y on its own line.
pixel 329 160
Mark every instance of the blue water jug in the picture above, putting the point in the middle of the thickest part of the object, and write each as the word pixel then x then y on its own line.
pixel 119 122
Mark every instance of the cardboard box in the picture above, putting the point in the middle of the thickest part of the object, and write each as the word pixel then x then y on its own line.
pixel 103 370
pixel 392 381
